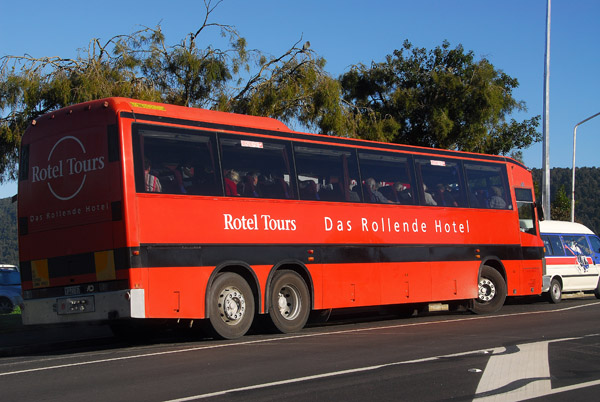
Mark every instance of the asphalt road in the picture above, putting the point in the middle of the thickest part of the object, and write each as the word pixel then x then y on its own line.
pixel 528 351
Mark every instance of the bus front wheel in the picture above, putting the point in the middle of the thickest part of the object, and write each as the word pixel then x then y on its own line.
pixel 491 293
pixel 231 306
pixel 289 302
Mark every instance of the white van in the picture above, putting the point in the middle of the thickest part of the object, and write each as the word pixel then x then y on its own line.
pixel 572 253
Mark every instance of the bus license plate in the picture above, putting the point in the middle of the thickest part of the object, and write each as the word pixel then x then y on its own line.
pixel 75 305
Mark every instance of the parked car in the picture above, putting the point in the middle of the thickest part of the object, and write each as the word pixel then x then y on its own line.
pixel 10 289
pixel 572 254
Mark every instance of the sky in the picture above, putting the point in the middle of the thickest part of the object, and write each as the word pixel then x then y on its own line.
pixel 511 34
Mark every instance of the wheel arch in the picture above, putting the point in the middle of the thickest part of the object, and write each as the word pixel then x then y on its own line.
pixel 291 265
pixel 495 263
pixel 242 269
pixel 559 279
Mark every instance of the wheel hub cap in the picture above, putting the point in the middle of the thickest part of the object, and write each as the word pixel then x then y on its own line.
pixel 288 302
pixel 232 305
pixel 487 290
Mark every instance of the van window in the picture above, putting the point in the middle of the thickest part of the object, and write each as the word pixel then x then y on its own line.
pixel 595 243
pixel 576 244
pixel 553 245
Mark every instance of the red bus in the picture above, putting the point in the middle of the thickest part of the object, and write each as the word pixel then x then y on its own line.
pixel 130 209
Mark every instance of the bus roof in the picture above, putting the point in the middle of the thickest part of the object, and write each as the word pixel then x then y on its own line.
pixel 563 227
pixel 165 113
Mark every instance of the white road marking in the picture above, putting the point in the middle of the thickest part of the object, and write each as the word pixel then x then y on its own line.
pixel 506 369
pixel 521 375
pixel 279 339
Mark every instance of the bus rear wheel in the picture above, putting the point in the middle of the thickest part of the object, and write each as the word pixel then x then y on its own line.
pixel 231 310
pixel 289 302
pixel 492 292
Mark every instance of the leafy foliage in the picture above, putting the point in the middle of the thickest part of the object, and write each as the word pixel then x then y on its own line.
pixel 442 98
pixel 142 65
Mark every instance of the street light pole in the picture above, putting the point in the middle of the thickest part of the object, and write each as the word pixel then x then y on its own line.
pixel 546 123
pixel 573 172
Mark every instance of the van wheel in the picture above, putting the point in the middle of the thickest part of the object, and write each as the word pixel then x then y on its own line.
pixel 597 291
pixel 555 292
pixel 492 292
pixel 6 306
pixel 231 309
pixel 289 302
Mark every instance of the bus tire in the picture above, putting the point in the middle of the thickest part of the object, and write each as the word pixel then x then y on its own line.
pixel 491 292
pixel 231 309
pixel 555 292
pixel 597 291
pixel 289 302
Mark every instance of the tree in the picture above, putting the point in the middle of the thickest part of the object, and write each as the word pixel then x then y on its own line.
pixel 560 210
pixel 442 98
pixel 142 65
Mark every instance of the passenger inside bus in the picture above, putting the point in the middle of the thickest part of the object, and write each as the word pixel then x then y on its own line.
pixel 444 197
pixel 232 178
pixel 185 176
pixel 248 187
pixel 428 197
pixel 373 194
pixel 150 179
pixel 496 201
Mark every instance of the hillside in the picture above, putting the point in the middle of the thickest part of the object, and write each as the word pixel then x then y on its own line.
pixel 587 192
pixel 9 253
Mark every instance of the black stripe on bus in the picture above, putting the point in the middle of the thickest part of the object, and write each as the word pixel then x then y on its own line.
pixel 313 137
pixel 186 255
pixel 258 254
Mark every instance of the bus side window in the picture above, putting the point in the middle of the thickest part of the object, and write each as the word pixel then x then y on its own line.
pixel 181 160
pixel 256 167
pixel 442 178
pixel 487 186
pixel 326 173
pixel 392 173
